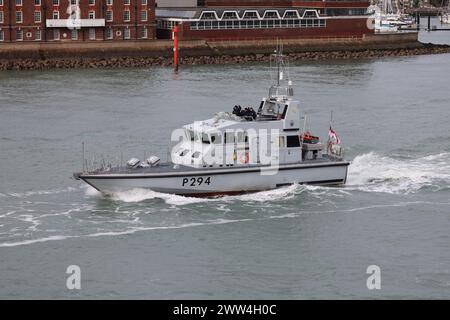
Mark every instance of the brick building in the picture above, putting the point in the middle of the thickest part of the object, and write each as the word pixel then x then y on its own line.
pixel 264 19
pixel 76 20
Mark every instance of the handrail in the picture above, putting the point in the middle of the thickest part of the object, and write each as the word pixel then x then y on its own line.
pixel 226 40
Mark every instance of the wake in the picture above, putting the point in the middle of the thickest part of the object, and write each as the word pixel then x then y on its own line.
pixel 369 172
pixel 372 172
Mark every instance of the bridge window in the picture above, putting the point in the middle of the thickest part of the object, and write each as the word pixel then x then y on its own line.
pixel 229 137
pixel 205 138
pixel 216 138
pixel 281 141
pixel 293 141
pixel 184 152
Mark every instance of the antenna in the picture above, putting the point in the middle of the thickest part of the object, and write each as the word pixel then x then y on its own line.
pixel 278 56
pixel 83 154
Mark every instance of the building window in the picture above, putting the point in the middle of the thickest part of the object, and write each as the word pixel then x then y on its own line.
pixel 126 33
pixel 56 15
pixel 1 2
pixel 109 15
pixel 144 2
pixel 55 34
pixel 126 15
pixel 19 35
pixel 126 2
pixel 55 2
pixel 109 33
pixel 37 2
pixel 91 2
pixel 74 2
pixel 252 24
pixel 18 2
pixel 1 17
pixel 91 34
pixel 109 2
pixel 144 15
pixel 37 16
pixel 74 34
pixel 38 35
pixel 91 15
pixel 2 35
pixel 144 33
pixel 18 16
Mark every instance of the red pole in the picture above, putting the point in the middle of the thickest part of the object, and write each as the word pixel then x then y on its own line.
pixel 175 48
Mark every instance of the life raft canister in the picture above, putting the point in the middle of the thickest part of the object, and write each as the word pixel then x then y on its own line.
pixel 245 157
pixel 309 138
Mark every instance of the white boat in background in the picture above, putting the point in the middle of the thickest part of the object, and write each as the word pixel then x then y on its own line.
pixel 445 18
pixel 388 17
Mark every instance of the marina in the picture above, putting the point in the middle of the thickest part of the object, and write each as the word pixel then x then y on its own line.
pixel 139 33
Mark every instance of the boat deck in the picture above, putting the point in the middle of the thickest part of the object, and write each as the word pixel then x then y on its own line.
pixel 169 167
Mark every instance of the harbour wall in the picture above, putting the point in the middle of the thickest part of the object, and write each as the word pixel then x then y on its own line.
pixel 47 55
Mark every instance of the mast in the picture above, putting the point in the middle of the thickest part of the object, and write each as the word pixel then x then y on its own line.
pixel 279 89
pixel 278 72
pixel 278 56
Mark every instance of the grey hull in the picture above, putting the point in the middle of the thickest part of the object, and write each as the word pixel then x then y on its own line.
pixel 209 182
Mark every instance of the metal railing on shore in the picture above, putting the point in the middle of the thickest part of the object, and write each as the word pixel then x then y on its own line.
pixel 285 40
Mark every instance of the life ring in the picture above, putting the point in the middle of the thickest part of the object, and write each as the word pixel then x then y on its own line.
pixel 245 157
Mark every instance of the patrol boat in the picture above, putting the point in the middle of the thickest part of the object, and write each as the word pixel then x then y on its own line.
pixel 236 152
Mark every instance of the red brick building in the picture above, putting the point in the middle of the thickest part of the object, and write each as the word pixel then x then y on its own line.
pixel 76 20
pixel 263 19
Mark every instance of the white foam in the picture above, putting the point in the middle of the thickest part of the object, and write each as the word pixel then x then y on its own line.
pixel 282 193
pixel 40 192
pixel 369 172
pixel 375 173
pixel 25 242
pixel 92 192
pixel 121 232
pixel 138 195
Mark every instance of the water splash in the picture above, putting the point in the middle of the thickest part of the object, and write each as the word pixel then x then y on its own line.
pixel 139 195
pixel 372 172
pixel 368 172
pixel 31 193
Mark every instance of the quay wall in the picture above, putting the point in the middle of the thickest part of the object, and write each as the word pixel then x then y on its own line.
pixel 159 52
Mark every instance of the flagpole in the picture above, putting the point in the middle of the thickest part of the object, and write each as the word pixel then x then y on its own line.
pixel 329 138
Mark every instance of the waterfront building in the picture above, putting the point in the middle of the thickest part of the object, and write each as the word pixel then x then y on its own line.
pixel 76 20
pixel 252 19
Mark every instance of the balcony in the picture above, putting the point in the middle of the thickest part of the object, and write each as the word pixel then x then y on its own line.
pixel 75 23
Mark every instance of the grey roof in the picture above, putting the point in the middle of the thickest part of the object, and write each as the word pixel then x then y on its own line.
pixel 174 13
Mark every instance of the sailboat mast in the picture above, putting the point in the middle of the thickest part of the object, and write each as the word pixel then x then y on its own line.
pixel 278 71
